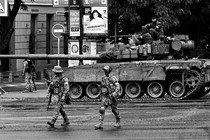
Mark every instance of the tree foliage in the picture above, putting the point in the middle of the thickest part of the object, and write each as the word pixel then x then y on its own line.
pixel 167 11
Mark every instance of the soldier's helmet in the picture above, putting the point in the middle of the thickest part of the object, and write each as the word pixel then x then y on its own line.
pixel 154 20
pixel 57 69
pixel 107 68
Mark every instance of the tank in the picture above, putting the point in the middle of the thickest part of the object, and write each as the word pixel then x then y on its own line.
pixel 151 79
pixel 166 69
pixel 166 79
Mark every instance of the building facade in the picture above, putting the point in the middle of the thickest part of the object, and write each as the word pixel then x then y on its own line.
pixel 33 34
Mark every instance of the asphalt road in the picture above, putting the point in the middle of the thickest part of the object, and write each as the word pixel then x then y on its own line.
pixel 24 119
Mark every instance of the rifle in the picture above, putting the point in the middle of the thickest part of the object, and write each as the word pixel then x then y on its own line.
pixel 49 101
pixel 50 90
pixel 50 98
pixel 34 75
pixel 34 83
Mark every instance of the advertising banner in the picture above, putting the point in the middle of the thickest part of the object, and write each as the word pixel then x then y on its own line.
pixel 89 48
pixel 96 22
pixel 3 8
pixel 73 49
pixel 74 23
pixel 65 3
pixel 94 2
pixel 60 3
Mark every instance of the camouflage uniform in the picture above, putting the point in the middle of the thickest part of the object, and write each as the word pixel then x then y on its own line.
pixel 155 29
pixel 28 75
pixel 59 87
pixel 110 89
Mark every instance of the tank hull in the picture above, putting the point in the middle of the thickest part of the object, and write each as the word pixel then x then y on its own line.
pixel 152 79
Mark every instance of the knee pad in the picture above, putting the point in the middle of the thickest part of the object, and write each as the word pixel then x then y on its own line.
pixel 102 110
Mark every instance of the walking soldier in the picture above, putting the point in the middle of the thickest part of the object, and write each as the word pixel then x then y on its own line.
pixel 59 88
pixel 109 89
pixel 29 73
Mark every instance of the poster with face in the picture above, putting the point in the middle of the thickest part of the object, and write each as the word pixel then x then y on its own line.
pixel 96 21
pixel 73 49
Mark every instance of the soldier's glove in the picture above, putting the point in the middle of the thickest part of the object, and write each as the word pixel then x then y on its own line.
pixel 63 100
pixel 114 94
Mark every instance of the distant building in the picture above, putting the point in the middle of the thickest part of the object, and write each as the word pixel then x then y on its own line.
pixel 33 33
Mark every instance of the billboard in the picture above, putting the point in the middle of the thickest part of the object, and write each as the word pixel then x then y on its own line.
pixel 73 49
pixel 65 3
pixel 95 21
pixel 95 3
pixel 89 48
pixel 3 8
pixel 60 3
pixel 74 23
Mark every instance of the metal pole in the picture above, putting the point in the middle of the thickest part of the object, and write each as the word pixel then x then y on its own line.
pixel 81 30
pixel 58 50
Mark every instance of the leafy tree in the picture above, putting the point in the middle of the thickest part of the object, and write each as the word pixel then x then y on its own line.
pixel 198 22
pixel 167 11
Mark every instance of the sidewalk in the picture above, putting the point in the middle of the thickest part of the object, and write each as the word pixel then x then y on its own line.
pixel 20 86
pixel 15 90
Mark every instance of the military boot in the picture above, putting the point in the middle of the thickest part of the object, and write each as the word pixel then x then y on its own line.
pixel 65 122
pixel 117 124
pixel 99 125
pixel 51 123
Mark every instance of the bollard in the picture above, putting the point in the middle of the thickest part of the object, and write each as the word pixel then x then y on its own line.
pixel 10 77
pixel 42 75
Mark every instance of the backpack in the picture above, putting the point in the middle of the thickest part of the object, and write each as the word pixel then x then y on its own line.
pixel 29 66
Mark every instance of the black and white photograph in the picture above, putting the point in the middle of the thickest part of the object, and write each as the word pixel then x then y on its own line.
pixel 104 70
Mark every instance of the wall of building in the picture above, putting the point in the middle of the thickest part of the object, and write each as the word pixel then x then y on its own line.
pixel 21 39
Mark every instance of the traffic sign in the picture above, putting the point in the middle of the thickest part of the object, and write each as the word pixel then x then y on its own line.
pixel 4 8
pixel 57 30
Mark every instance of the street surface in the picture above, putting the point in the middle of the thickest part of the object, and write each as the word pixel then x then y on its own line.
pixel 24 118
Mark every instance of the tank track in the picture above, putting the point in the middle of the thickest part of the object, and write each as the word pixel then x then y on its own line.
pixel 193 93
pixel 204 90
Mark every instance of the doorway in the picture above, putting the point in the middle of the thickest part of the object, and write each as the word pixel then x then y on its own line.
pixel 32 38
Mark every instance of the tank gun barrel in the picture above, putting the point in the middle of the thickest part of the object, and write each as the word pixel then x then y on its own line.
pixel 49 56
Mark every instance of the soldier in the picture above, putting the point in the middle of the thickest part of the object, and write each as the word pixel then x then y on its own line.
pixel 155 29
pixel 110 89
pixel 29 72
pixel 59 88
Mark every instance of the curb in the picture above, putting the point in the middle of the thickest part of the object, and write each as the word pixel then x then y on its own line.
pixel 18 87
pixel 39 94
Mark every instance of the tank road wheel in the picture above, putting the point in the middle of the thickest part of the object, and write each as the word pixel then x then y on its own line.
pixel 121 91
pixel 133 90
pixel 75 91
pixel 155 90
pixel 176 89
pixel 92 91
